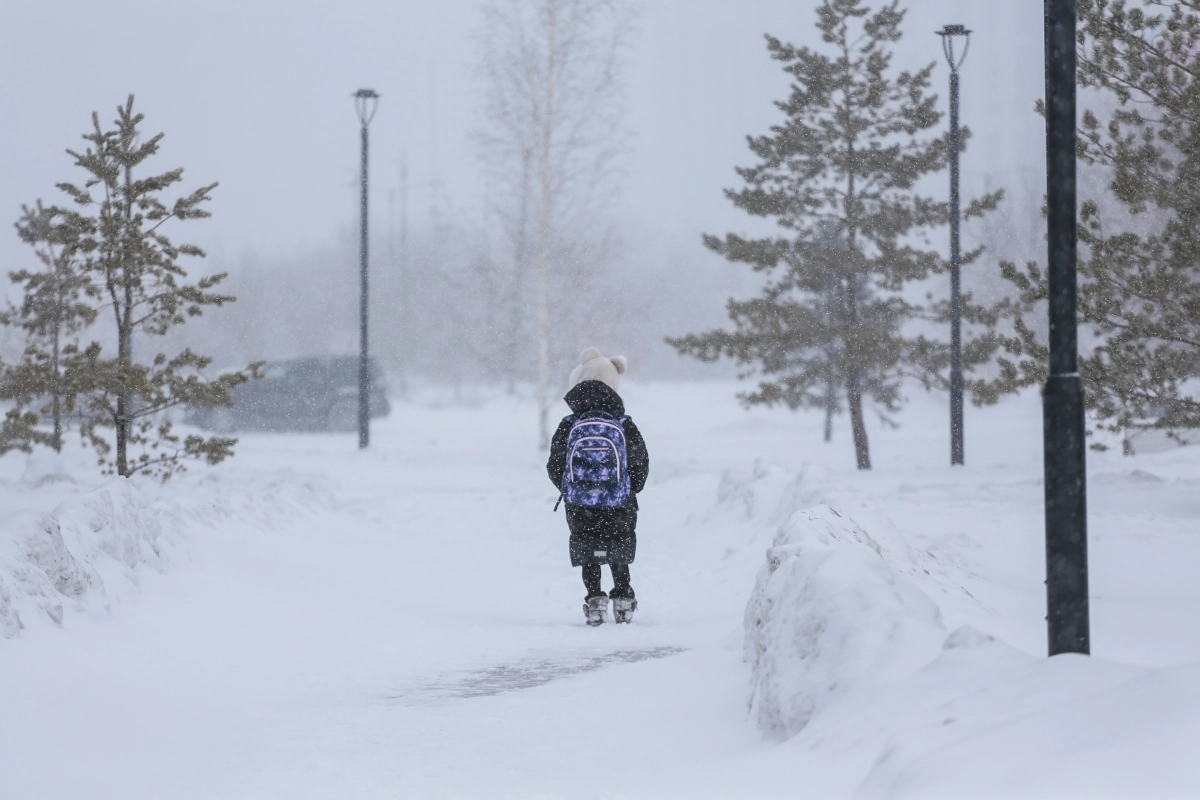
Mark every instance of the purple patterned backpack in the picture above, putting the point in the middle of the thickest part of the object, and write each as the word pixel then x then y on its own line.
pixel 597 471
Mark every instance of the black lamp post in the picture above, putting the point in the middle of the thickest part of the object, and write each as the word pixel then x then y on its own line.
pixel 1062 399
pixel 955 60
pixel 366 101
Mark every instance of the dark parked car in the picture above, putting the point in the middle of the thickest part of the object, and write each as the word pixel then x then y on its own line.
pixel 300 394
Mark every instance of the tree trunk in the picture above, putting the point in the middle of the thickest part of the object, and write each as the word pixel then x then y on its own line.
pixel 862 455
pixel 56 391
pixel 55 377
pixel 516 294
pixel 543 315
pixel 544 174
pixel 402 325
pixel 124 346
pixel 125 356
pixel 830 407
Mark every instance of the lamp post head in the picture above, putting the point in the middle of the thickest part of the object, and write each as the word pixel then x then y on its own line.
pixel 948 33
pixel 366 101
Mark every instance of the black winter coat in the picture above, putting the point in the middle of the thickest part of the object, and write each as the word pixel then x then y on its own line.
pixel 601 535
pixel 596 396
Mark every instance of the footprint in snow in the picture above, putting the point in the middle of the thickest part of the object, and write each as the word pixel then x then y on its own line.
pixel 524 675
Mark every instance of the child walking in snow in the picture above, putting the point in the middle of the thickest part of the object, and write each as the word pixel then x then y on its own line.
pixel 599 463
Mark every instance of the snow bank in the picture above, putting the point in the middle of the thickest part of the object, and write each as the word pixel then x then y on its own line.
pixel 91 549
pixel 77 555
pixel 847 647
pixel 831 609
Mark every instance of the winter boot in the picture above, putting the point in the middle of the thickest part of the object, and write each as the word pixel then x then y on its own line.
pixel 594 608
pixel 623 608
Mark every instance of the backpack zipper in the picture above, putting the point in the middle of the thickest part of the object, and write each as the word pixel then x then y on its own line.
pixel 616 452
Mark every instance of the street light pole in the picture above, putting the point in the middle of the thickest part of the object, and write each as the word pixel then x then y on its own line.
pixel 1063 399
pixel 366 101
pixel 956 379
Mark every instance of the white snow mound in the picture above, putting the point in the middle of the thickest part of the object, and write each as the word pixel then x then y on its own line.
pixel 78 553
pixel 832 609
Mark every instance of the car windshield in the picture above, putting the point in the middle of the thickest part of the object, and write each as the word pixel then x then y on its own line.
pixel 332 371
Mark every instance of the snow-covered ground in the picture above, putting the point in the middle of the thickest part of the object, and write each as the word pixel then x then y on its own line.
pixel 309 621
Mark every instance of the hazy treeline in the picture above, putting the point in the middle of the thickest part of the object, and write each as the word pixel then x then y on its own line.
pixel 545 266
pixel 836 285
pixel 441 308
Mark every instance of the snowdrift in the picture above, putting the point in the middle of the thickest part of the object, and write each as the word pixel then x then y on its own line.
pixel 849 654
pixel 90 550
pixel 829 613
pixel 80 553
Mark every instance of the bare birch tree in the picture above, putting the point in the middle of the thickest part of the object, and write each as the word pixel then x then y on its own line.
pixel 551 131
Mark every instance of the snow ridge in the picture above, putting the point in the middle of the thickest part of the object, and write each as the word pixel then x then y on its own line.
pixel 91 548
pixel 829 613
pixel 80 553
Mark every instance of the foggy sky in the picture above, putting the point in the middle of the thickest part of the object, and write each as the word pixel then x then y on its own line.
pixel 256 95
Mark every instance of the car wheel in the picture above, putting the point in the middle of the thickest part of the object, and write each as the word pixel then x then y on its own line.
pixel 343 417
pixel 220 420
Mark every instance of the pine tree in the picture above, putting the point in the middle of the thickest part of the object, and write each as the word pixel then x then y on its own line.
pixel 838 176
pixel 57 304
pixel 1139 284
pixel 115 232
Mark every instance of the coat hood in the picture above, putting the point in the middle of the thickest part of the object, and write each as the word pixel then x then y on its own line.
pixel 595 396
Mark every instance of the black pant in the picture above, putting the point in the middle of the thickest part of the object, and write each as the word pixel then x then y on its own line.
pixel 620 573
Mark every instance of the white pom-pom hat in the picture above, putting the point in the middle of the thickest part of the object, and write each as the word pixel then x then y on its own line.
pixel 595 367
